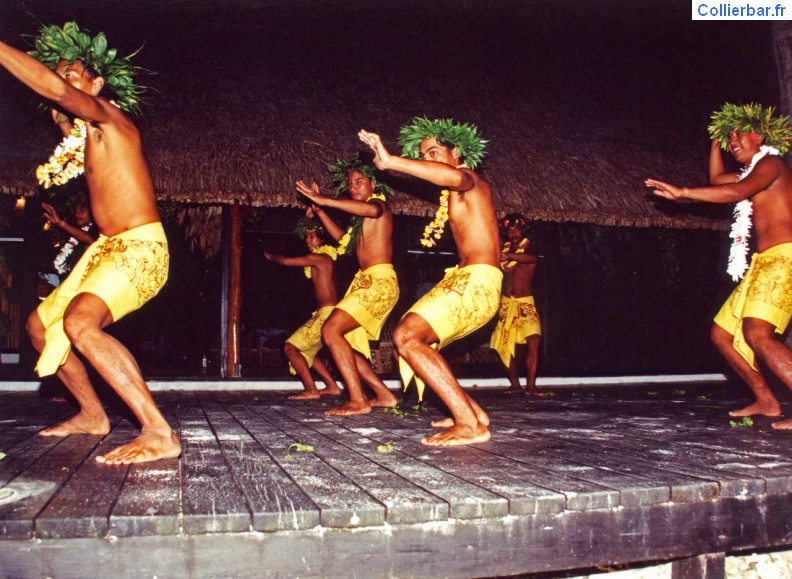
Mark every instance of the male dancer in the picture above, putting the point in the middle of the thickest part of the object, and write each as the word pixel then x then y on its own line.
pixel 303 345
pixel 518 320
pixel 445 153
pixel 761 305
pixel 127 265
pixel 374 290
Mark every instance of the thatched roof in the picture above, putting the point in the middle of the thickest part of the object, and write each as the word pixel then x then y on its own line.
pixel 578 101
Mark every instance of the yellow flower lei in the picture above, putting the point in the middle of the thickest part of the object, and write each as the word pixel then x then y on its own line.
pixel 435 229
pixel 324 249
pixel 354 227
pixel 510 265
pixel 68 159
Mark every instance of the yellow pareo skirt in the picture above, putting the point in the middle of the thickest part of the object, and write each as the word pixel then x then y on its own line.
pixel 764 293
pixel 464 300
pixel 517 320
pixel 371 297
pixel 125 271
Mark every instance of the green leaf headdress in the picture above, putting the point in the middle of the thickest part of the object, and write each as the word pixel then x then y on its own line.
pixel 305 226
pixel 54 44
pixel 751 118
pixel 464 137
pixel 340 176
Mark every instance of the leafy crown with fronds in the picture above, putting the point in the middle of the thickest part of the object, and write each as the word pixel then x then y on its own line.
pixel 463 136
pixel 751 118
pixel 54 44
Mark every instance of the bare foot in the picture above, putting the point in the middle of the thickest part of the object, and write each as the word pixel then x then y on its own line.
pixel 783 425
pixel 767 409
pixel 145 448
pixel 350 408
pixel 458 436
pixel 385 401
pixel 330 392
pixel 512 390
pixel 79 424
pixel 306 395
pixel 444 423
pixel 533 392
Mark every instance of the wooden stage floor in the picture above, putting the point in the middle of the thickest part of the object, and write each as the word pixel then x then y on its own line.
pixel 573 480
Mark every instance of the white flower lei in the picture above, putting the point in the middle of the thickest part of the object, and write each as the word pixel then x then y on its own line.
pixel 68 159
pixel 741 228
pixel 66 250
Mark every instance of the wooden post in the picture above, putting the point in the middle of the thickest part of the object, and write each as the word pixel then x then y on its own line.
pixel 234 291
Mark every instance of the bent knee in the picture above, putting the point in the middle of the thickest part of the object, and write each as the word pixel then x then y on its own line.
pixel 720 337
pixel 75 325
pixel 757 332
pixel 403 335
pixel 35 329
pixel 330 333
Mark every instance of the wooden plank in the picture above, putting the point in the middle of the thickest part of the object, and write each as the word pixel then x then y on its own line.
pixel 40 482
pixel 635 445
pixel 394 479
pixel 471 491
pixel 341 503
pixel 276 502
pixel 23 454
pixel 82 506
pixel 211 500
pixel 148 501
pixel 577 494
pixel 693 459
pixel 637 486
pixel 27 415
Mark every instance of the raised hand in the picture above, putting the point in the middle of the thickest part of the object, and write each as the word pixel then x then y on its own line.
pixel 50 214
pixel 382 157
pixel 665 190
pixel 312 192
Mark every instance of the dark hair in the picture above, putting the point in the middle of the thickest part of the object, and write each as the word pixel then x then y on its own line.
pixel 514 220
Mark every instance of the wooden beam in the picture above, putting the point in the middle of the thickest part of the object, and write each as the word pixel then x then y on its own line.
pixel 234 291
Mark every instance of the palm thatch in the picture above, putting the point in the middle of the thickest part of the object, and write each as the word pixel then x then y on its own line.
pixel 251 96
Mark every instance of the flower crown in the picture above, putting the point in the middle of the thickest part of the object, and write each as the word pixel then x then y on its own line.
pixel 305 226
pixel 514 220
pixel 54 44
pixel 464 137
pixel 340 176
pixel 751 118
